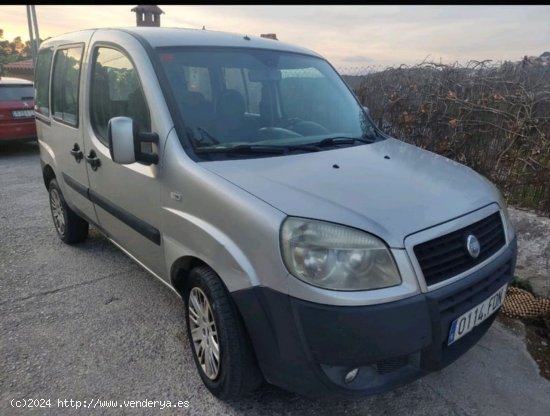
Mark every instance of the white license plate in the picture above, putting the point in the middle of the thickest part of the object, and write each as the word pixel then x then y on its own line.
pixel 466 322
pixel 22 113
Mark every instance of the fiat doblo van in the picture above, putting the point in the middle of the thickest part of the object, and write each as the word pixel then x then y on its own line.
pixel 311 250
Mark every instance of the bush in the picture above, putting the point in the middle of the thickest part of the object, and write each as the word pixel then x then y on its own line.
pixel 494 118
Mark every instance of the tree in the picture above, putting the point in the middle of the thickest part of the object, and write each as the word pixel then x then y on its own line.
pixel 16 50
pixel 19 46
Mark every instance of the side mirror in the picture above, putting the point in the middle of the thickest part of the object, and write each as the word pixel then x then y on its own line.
pixel 125 142
pixel 366 110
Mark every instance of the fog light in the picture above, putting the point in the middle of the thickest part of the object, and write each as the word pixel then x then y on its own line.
pixel 351 375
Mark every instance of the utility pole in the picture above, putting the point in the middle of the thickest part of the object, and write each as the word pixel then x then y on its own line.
pixel 33 32
pixel 33 45
pixel 35 25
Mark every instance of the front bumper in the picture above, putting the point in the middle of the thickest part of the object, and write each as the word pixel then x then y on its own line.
pixel 308 348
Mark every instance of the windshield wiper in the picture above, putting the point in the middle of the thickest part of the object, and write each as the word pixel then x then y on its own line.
pixel 334 141
pixel 259 148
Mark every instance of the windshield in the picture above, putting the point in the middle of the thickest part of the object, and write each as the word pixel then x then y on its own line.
pixel 16 92
pixel 253 99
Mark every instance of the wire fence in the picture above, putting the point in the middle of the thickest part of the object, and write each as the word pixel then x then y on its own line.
pixel 493 117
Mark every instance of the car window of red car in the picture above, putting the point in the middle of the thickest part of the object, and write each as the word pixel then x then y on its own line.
pixel 16 92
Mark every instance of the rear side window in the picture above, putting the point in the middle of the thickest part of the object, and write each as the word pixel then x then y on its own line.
pixel 238 79
pixel 42 81
pixel 116 91
pixel 254 92
pixel 198 80
pixel 16 92
pixel 65 80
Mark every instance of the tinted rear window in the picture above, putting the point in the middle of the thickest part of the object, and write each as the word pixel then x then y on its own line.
pixel 65 82
pixel 42 81
pixel 16 92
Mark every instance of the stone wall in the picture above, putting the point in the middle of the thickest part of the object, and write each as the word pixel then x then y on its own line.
pixel 533 263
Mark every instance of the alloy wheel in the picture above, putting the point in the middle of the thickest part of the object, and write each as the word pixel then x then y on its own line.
pixel 57 211
pixel 204 333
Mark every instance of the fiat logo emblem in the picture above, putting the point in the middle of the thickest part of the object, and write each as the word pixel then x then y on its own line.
pixel 472 245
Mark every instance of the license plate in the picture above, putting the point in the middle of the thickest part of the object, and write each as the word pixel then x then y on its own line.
pixel 22 113
pixel 475 316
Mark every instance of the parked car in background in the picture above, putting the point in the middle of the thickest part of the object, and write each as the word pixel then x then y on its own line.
pixel 16 110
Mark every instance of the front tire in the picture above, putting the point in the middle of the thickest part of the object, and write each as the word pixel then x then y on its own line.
pixel 69 226
pixel 221 348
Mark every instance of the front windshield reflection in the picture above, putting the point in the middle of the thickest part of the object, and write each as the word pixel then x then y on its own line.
pixel 231 97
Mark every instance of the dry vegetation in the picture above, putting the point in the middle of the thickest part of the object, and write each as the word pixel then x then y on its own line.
pixel 494 118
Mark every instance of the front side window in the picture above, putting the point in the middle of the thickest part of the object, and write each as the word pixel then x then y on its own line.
pixel 42 81
pixel 116 91
pixel 65 84
pixel 265 99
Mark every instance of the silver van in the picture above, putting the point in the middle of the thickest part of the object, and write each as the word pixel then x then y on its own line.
pixel 311 250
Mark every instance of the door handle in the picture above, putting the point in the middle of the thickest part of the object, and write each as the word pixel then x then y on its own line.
pixel 77 153
pixel 93 160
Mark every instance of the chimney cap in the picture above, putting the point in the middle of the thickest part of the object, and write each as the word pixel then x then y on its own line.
pixel 269 36
pixel 144 8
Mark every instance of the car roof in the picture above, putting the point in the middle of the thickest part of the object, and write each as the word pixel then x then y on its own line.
pixel 199 37
pixel 174 36
pixel 12 80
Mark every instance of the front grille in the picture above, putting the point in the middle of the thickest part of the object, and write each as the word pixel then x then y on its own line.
pixel 447 256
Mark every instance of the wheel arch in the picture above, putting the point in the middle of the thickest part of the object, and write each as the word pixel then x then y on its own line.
pixel 48 174
pixel 179 271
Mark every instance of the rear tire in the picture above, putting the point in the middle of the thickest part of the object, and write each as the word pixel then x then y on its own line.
pixel 70 227
pixel 235 373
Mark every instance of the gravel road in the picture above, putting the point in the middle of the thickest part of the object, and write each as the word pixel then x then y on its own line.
pixel 86 323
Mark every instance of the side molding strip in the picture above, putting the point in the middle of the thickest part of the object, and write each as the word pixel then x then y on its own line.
pixel 145 229
pixel 81 189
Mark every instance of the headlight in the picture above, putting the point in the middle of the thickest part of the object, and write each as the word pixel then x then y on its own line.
pixel 504 207
pixel 336 257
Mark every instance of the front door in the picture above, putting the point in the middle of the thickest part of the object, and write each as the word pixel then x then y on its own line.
pixel 126 197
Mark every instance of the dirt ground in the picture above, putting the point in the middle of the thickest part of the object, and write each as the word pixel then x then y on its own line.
pixel 537 338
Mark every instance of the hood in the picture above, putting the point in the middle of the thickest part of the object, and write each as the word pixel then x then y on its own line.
pixel 388 188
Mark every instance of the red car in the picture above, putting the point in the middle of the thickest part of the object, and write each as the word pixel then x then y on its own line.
pixel 16 110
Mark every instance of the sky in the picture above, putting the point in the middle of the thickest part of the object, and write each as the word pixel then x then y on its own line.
pixel 348 36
